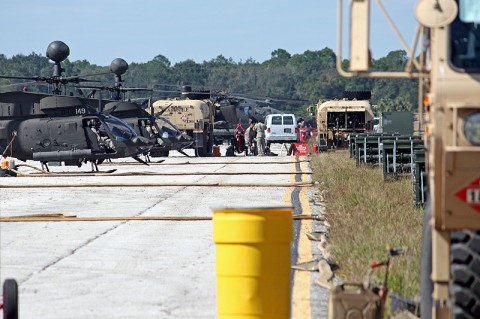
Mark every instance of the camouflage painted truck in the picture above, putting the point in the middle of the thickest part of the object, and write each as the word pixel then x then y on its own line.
pixel 337 119
pixel 193 114
pixel 448 71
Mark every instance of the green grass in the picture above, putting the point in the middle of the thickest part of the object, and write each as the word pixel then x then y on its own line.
pixel 366 215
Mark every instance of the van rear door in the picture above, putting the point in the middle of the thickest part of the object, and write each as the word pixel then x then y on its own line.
pixel 276 127
pixel 289 124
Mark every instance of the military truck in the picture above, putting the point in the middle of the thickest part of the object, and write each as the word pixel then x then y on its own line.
pixel 337 119
pixel 192 114
pixel 448 70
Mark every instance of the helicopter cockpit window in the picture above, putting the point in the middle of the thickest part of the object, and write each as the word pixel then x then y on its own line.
pixel 465 37
pixel 167 128
pixel 119 129
pixel 149 127
pixel 104 141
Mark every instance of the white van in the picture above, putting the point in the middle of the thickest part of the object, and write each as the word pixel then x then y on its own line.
pixel 281 128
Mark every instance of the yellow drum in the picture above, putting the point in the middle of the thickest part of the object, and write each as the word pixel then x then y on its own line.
pixel 253 262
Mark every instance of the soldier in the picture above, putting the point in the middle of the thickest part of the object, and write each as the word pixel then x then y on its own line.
pixel 260 129
pixel 249 138
pixel 103 140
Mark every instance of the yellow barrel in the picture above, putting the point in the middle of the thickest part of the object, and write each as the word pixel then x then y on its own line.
pixel 253 262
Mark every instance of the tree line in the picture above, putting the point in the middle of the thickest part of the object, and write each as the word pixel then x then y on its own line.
pixel 291 82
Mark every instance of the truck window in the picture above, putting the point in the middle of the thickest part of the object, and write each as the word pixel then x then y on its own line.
pixel 465 37
pixel 336 119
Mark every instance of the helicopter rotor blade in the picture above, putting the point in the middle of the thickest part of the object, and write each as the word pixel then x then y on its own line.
pixel 31 78
pixel 56 79
pixel 74 80
pixel 22 83
pixel 268 98
pixel 222 94
pixel 164 110
pixel 79 87
pixel 112 88
pixel 135 89
pixel 85 75
pixel 168 85
pixel 166 91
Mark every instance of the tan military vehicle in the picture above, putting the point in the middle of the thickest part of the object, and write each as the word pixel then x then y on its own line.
pixel 448 69
pixel 193 115
pixel 337 119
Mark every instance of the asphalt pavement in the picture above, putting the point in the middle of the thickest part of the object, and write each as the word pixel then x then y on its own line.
pixel 137 242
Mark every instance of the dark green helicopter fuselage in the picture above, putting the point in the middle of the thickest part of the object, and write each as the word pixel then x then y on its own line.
pixel 63 128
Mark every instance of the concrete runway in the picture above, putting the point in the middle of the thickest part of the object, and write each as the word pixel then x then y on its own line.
pixel 122 260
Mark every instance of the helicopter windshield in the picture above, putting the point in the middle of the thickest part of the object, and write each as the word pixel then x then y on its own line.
pixel 167 128
pixel 120 130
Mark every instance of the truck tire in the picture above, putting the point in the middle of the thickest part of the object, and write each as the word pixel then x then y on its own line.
pixel 465 272
pixel 426 284
pixel 10 299
pixel 211 140
pixel 202 151
pixel 357 95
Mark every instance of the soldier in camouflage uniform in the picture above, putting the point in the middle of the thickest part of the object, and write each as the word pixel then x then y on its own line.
pixel 260 129
pixel 249 138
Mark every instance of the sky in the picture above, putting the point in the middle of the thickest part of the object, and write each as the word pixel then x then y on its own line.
pixel 138 30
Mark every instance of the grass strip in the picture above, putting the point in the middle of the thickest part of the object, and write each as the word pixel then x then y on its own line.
pixel 366 215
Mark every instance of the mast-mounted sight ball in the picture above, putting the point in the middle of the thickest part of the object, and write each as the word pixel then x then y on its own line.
pixel 119 66
pixel 186 89
pixel 58 51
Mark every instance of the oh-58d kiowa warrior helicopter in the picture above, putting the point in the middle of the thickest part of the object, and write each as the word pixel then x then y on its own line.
pixel 54 127
pixel 164 135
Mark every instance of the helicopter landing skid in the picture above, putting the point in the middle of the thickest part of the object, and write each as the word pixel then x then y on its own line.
pixel 45 166
pixel 102 172
pixel 182 152
pixel 94 166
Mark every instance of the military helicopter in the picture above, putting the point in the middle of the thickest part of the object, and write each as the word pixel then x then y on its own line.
pixel 54 127
pixel 163 134
pixel 234 109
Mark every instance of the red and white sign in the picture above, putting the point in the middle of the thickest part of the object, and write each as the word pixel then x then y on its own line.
pixel 471 194
pixel 184 118
pixel 301 149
